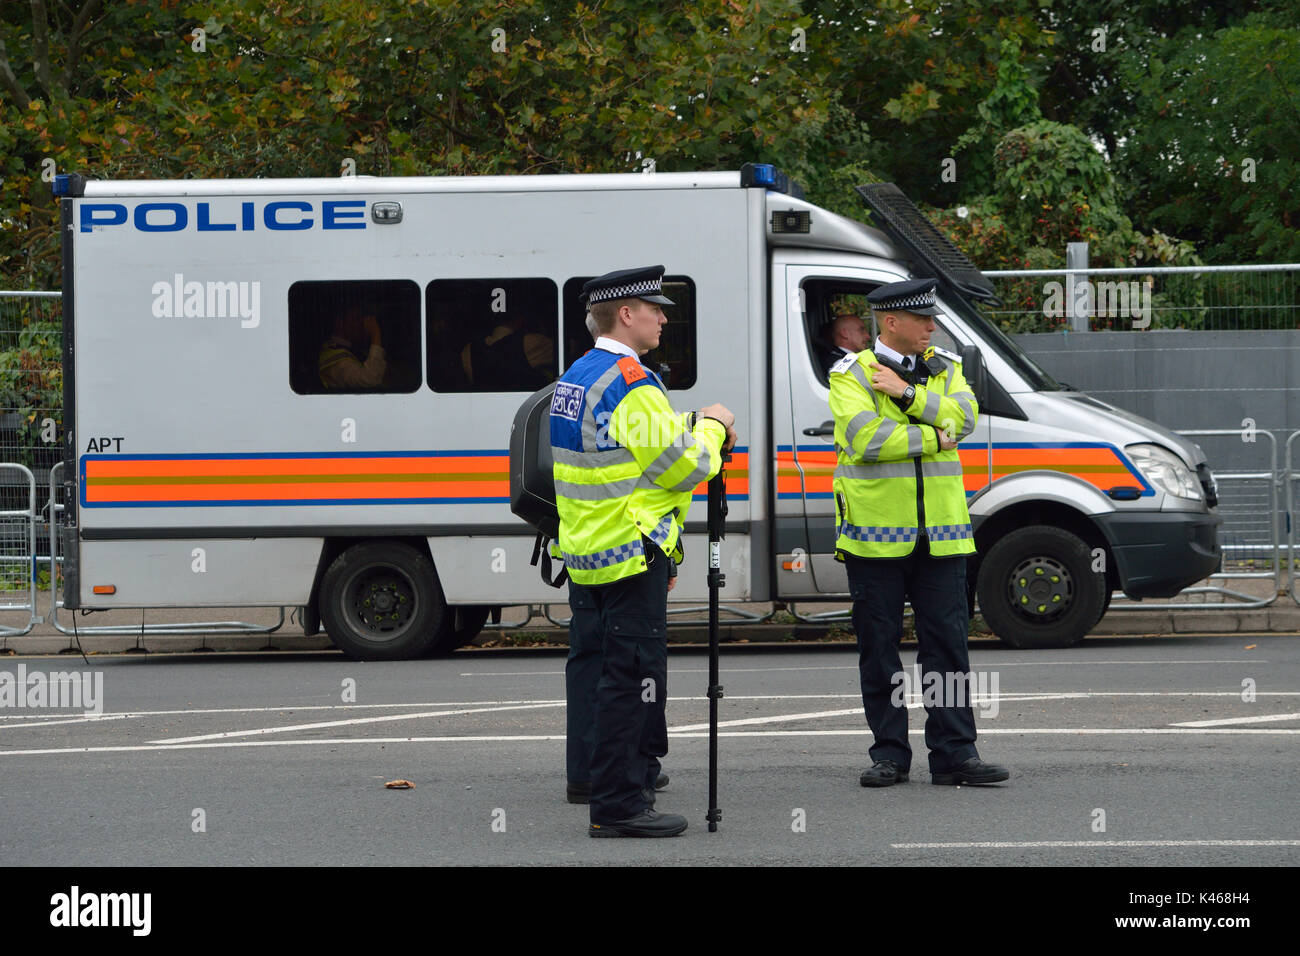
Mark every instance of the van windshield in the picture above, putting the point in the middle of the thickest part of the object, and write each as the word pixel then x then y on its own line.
pixel 1001 343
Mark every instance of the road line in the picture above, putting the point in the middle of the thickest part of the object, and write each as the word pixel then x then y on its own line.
pixel 841 667
pixel 490 738
pixel 89 719
pixel 1262 719
pixel 346 723
pixel 1048 844
pixel 778 718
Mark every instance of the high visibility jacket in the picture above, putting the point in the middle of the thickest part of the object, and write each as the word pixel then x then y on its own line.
pixel 891 477
pixel 625 466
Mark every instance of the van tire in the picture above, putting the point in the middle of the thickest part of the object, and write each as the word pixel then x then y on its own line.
pixel 381 601
pixel 460 625
pixel 1030 570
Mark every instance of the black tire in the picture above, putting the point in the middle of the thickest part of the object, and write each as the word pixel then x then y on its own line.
pixel 1037 588
pixel 460 625
pixel 1105 606
pixel 381 601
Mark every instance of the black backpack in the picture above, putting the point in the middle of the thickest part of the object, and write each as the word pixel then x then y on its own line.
pixel 532 481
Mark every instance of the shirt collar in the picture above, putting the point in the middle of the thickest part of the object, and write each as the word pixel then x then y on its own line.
pixel 882 349
pixel 613 345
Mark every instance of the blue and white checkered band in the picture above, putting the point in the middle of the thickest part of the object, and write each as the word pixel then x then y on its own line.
pixel 905 303
pixel 646 287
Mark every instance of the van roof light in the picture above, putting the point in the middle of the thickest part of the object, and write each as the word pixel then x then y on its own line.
pixel 767 176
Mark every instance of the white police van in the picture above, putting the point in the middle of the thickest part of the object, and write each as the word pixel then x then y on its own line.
pixel 210 459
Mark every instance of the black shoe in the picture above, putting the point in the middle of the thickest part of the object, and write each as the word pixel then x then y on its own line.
pixel 974 771
pixel 578 792
pixel 648 823
pixel 883 773
pixel 661 782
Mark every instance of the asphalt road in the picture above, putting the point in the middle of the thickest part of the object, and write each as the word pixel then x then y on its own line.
pixel 1150 737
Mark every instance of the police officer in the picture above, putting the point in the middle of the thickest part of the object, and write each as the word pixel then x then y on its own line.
pixel 626 466
pixel 904 532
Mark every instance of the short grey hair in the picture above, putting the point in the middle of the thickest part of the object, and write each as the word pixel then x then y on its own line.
pixel 592 327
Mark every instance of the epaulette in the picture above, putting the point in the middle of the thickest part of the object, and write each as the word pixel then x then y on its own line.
pixel 844 364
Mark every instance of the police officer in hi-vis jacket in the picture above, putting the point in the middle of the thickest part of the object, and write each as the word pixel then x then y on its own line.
pixel 625 468
pixel 904 531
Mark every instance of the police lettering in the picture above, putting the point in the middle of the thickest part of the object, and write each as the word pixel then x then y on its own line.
pixel 279 216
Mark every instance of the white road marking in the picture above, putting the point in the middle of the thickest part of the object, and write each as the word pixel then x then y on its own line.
pixel 778 718
pixel 295 707
pixel 88 719
pixel 1034 844
pixel 688 735
pixel 1262 719
pixel 853 667
pixel 353 721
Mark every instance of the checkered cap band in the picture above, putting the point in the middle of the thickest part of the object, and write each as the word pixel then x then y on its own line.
pixel 645 287
pixel 906 302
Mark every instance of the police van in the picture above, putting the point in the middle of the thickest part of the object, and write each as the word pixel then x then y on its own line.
pixel 299 392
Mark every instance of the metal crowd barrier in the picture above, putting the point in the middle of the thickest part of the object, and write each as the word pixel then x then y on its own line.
pixel 27 516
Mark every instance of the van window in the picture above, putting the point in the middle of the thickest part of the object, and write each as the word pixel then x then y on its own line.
pixel 492 335
pixel 676 349
pixel 348 336
pixel 826 300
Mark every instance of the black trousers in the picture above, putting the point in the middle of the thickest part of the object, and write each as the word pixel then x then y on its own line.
pixel 616 684
pixel 937 589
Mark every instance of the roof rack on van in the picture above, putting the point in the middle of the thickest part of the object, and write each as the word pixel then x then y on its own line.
pixel 936 257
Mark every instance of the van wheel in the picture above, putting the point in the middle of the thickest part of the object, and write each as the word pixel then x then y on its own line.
pixel 1037 588
pixel 381 601
pixel 460 625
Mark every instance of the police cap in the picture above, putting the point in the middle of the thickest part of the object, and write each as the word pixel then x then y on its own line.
pixel 914 295
pixel 645 282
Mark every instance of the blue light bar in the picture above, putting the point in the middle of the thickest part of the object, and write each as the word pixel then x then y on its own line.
pixel 62 184
pixel 759 174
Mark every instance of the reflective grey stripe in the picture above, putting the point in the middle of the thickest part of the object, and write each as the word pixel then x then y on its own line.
pixel 861 375
pixel 877 533
pixel 968 413
pixel 931 411
pixel 915 441
pixel 967 395
pixel 941 469
pixel 856 424
pixel 594 395
pixel 660 532
pixel 700 472
pixel 591 459
pixel 671 455
pixel 872 451
pixel 596 492
pixel 604 559
pixel 881 469
pixel 949 532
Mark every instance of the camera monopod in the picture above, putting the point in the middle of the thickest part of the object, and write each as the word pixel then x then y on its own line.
pixel 717 531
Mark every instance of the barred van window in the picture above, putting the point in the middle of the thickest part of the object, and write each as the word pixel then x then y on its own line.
pixel 676 343
pixel 492 335
pixel 354 335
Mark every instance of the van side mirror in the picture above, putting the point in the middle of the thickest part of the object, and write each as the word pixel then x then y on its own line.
pixel 972 367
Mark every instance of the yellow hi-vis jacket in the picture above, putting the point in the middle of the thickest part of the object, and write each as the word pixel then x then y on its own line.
pixel 625 466
pixel 891 476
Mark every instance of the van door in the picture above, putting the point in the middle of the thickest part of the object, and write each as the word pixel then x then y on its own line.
pixel 815 294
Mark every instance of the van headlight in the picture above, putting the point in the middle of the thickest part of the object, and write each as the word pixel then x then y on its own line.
pixel 1165 470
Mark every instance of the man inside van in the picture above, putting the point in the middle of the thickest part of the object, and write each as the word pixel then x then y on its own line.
pixel 847 335
pixel 338 362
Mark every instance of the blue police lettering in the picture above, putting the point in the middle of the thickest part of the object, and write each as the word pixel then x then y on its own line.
pixel 180 216
pixel 332 211
pixel 278 216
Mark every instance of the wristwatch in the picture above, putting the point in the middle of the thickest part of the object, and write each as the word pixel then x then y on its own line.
pixel 909 394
